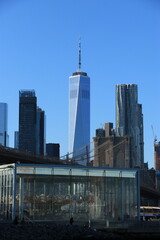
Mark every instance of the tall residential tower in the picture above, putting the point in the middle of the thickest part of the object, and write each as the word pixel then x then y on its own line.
pixel 129 121
pixel 79 114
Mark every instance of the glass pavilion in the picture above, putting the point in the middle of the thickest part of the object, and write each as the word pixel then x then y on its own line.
pixel 57 192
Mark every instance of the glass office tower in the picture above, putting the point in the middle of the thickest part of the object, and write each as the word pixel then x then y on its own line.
pixel 53 150
pixel 79 114
pixel 4 138
pixel 27 121
pixel 16 139
pixel 40 132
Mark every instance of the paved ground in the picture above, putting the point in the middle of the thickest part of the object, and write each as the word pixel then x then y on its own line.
pixel 52 231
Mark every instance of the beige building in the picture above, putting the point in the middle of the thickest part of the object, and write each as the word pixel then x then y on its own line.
pixel 112 151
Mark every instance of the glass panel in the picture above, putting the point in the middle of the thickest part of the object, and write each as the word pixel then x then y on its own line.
pixel 128 174
pixel 61 171
pixel 6 194
pixel 98 173
pixel 98 199
pixel 79 172
pixel 25 170
pixel 110 173
pixel 43 170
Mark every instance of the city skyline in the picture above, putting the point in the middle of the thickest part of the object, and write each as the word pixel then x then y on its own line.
pixel 120 45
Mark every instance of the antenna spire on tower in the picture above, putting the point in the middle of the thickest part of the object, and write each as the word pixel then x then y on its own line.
pixel 79 56
pixel 79 70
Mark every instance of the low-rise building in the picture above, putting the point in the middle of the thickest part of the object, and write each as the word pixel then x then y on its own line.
pixel 57 192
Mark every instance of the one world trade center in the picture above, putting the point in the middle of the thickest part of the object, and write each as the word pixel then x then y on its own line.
pixel 79 114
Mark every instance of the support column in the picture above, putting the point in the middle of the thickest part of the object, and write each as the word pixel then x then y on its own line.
pixel 14 193
pixel 138 193
pixel 21 197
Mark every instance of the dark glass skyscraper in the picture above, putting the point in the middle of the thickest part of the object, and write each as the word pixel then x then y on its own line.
pixel 16 139
pixel 27 121
pixel 53 150
pixel 40 132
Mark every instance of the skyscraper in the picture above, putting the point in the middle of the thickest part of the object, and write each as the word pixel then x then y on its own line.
pixel 16 139
pixel 4 138
pixel 129 120
pixel 79 113
pixel 40 132
pixel 27 121
pixel 53 150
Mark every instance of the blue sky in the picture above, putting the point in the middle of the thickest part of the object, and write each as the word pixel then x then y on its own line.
pixel 120 45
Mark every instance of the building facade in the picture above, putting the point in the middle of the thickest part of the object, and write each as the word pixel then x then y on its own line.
pixel 79 114
pixel 100 132
pixel 4 137
pixel 53 150
pixel 141 135
pixel 40 132
pixel 110 150
pixel 16 139
pixel 129 121
pixel 27 121
pixel 157 155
